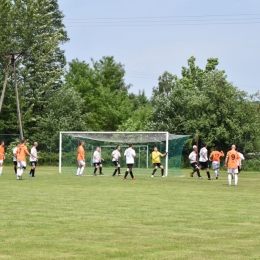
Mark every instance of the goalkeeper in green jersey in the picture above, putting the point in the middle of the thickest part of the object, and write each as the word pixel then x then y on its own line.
pixel 156 160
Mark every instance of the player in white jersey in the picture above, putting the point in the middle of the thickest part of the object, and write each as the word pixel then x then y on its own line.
pixel 241 158
pixel 97 161
pixel 130 159
pixel 116 155
pixel 14 157
pixel 193 162
pixel 33 160
pixel 203 160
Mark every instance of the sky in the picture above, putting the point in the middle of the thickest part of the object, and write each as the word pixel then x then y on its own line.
pixel 150 37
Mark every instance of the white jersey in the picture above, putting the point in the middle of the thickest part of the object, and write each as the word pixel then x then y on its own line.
pixel 130 155
pixel 193 157
pixel 33 152
pixel 203 151
pixel 14 154
pixel 116 154
pixel 241 158
pixel 96 157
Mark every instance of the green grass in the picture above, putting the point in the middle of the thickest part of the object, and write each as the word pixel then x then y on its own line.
pixel 61 216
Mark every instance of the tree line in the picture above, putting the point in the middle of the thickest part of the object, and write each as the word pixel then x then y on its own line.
pixel 56 95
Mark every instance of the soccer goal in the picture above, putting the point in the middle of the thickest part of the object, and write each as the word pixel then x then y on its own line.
pixel 143 143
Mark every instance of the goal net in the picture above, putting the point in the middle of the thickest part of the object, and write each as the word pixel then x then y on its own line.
pixel 143 144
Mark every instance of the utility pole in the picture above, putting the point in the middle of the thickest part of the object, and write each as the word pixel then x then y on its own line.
pixel 13 56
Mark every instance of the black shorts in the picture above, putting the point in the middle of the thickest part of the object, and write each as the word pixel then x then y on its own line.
pixel 130 165
pixel 204 165
pixel 15 163
pixel 33 163
pixel 157 164
pixel 97 164
pixel 194 165
pixel 115 163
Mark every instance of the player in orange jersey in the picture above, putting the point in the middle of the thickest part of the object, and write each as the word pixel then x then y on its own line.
pixel 81 159
pixel 215 158
pixel 232 162
pixel 21 158
pixel 2 156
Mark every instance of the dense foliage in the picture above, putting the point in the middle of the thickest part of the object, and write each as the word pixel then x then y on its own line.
pixel 94 96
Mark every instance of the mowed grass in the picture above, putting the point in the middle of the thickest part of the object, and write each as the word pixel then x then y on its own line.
pixel 61 216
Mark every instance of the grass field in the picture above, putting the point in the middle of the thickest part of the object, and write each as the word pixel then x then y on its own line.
pixel 61 216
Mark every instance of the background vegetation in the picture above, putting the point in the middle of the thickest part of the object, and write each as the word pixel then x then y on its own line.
pixel 82 96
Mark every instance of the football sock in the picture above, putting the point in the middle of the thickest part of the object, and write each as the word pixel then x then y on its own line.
pixel 33 171
pixel 229 178
pixel 15 169
pixel 162 171
pixel 78 171
pixel 236 179
pixel 216 172
pixel 81 170
pixel 100 170
pixel 95 170
pixel 198 172
pixel 126 173
pixel 131 173
pixel 1 169
pixel 115 172
pixel 208 173
pixel 154 171
pixel 118 170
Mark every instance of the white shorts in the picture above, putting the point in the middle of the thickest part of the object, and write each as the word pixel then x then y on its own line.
pixel 1 161
pixel 21 164
pixel 81 163
pixel 215 165
pixel 232 170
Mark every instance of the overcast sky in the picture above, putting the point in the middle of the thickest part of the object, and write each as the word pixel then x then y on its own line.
pixel 153 36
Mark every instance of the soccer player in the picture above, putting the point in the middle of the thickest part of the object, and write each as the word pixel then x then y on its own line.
pixel 193 162
pixel 130 159
pixel 215 158
pixel 21 158
pixel 241 158
pixel 97 161
pixel 81 159
pixel 33 160
pixel 116 155
pixel 2 156
pixel 203 160
pixel 14 157
pixel 157 162
pixel 232 162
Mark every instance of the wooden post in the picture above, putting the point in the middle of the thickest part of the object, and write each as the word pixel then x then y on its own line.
pixel 18 104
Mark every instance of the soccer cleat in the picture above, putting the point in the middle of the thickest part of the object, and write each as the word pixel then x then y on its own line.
pixel 119 174
pixel 199 177
pixel 18 178
pixel 94 174
pixel 191 174
pixel 101 174
pixel 133 178
pixel 209 179
pixel 124 179
pixel 152 176
pixel 163 176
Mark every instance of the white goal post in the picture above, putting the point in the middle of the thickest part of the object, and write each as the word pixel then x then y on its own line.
pixel 123 138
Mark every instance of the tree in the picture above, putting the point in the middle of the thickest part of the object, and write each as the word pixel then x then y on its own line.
pixel 214 108
pixel 101 84
pixel 63 112
pixel 36 28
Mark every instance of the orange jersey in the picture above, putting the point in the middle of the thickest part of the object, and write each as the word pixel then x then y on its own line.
pixel 233 158
pixel 216 155
pixel 81 154
pixel 2 152
pixel 21 153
